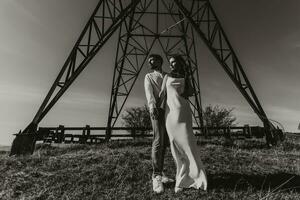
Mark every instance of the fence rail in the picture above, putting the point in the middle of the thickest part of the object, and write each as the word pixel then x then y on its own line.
pixel 91 135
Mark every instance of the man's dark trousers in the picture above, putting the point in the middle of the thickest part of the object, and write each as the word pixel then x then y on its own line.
pixel 160 142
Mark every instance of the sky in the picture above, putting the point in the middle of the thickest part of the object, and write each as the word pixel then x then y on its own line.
pixel 37 35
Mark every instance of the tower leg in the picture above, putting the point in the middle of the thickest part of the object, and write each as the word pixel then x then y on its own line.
pixel 24 143
pixel 130 59
pixel 185 45
pixel 191 53
pixel 104 21
pixel 203 19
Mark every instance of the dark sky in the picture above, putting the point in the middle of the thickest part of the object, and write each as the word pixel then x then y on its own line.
pixel 37 35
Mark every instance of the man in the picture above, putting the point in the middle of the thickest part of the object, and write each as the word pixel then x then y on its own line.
pixel 153 82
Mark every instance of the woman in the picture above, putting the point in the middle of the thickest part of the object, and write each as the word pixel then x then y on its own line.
pixel 176 86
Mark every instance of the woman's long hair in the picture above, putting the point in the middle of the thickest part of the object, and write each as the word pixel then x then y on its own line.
pixel 181 65
pixel 183 72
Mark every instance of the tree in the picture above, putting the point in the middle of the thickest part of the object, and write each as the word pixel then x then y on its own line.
pixel 213 116
pixel 137 117
pixel 216 116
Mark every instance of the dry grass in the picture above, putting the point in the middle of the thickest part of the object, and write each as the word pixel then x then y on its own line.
pixel 122 170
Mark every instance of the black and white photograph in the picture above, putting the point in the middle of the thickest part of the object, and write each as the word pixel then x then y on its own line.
pixel 150 99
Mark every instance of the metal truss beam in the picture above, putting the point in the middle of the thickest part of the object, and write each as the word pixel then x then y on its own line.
pixel 137 37
pixel 136 40
pixel 202 17
pixel 105 20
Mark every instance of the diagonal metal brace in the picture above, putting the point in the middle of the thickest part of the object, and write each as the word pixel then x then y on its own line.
pixel 222 50
pixel 70 71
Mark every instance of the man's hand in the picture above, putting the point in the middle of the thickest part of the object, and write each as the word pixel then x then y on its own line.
pixel 154 113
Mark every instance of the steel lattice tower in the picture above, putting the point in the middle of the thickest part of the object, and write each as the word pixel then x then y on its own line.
pixel 140 26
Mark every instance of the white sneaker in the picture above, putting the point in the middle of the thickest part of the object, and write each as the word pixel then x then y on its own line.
pixel 166 179
pixel 157 184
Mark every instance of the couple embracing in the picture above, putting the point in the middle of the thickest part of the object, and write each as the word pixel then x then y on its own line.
pixel 171 117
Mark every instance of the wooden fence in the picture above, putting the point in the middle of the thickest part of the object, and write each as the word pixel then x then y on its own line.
pixel 95 135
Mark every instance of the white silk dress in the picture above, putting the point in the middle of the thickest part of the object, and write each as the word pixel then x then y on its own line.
pixel 190 171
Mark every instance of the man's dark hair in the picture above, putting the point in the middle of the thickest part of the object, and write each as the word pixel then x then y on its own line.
pixel 156 56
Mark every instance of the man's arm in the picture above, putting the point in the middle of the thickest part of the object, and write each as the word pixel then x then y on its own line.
pixel 149 93
pixel 163 93
pixel 150 98
pixel 163 86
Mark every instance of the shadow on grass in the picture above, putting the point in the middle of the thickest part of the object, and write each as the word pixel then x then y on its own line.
pixel 250 144
pixel 239 144
pixel 240 182
pixel 273 182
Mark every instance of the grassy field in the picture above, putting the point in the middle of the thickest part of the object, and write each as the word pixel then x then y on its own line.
pixel 122 170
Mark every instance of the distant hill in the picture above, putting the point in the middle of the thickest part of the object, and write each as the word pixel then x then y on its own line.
pixel 4 148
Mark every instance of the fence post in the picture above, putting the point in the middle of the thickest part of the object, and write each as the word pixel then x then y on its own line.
pixel 229 133
pixel 247 131
pixel 88 133
pixel 61 134
pixel 133 133
pixel 82 138
pixel 204 131
pixel 228 138
pixel 72 138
